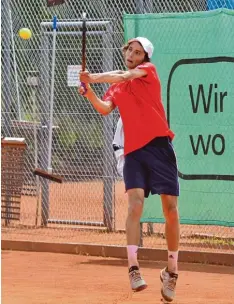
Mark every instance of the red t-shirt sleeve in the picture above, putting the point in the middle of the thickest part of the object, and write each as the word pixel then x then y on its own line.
pixel 109 95
pixel 150 69
pixel 139 84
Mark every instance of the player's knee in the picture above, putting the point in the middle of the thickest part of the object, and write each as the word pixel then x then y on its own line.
pixel 170 209
pixel 171 214
pixel 135 208
pixel 135 203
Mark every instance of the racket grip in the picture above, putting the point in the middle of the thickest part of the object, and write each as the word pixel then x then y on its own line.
pixel 83 85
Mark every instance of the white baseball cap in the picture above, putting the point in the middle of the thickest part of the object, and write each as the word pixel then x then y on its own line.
pixel 146 44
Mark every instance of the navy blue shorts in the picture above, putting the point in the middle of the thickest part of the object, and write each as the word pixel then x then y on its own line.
pixel 153 168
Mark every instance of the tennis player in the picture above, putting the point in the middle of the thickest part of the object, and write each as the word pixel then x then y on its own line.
pixel 149 159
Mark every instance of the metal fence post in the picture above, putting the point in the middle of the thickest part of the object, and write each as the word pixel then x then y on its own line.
pixel 6 67
pixel 108 138
pixel 139 4
pixel 44 97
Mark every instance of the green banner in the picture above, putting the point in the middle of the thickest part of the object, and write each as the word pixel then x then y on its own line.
pixel 194 56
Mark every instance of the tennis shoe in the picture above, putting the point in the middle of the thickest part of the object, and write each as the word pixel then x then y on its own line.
pixel 168 280
pixel 136 281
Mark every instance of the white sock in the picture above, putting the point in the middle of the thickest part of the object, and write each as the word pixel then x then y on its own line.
pixel 132 255
pixel 173 261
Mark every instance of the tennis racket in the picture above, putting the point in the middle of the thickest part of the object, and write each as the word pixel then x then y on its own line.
pixel 83 55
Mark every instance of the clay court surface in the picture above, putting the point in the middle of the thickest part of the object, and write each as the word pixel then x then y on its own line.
pixel 50 278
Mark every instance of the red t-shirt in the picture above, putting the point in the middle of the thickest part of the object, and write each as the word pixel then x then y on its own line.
pixel 141 109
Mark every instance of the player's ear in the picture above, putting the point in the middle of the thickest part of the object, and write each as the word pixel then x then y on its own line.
pixel 146 59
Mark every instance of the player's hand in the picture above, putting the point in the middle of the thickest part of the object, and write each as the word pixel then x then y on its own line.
pixel 84 89
pixel 85 77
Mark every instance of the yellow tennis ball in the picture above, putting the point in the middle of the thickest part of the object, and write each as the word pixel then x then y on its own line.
pixel 25 33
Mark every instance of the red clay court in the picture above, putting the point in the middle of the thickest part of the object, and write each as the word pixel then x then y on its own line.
pixel 52 278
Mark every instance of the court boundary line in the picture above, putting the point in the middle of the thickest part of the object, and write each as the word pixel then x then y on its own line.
pixel 150 254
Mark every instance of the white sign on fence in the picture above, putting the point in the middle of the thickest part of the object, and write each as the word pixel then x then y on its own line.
pixel 73 79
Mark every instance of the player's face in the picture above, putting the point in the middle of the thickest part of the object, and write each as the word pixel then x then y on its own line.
pixel 134 55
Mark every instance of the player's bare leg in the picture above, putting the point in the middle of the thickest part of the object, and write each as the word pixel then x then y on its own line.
pixel 169 275
pixel 135 207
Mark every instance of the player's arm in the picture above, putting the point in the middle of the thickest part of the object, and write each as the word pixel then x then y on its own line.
pixel 103 107
pixel 110 73
pixel 112 77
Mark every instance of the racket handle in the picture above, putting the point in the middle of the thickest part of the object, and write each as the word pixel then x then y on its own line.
pixel 83 85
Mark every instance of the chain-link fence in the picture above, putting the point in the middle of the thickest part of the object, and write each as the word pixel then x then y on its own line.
pixel 91 201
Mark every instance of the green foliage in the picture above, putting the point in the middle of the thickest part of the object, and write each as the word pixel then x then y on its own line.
pixel 72 132
pixel 67 138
